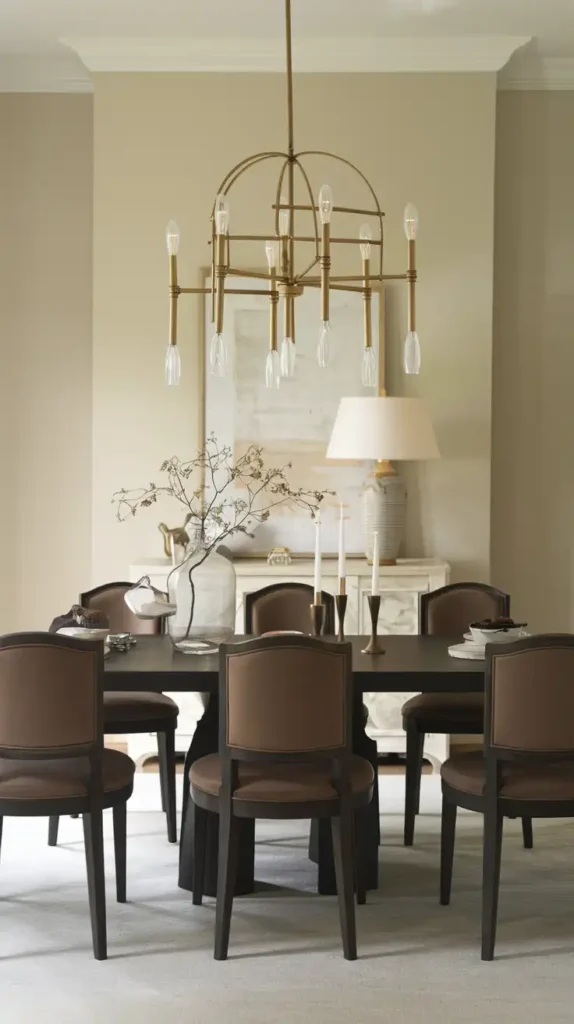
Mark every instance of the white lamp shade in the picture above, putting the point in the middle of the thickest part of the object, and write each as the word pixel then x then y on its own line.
pixel 382 428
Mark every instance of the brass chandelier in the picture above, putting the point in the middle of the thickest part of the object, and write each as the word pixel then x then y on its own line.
pixel 287 275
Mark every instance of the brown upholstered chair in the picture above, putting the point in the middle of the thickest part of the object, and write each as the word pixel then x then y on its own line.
pixel 52 757
pixel 285 733
pixel 446 612
pixel 285 606
pixel 129 713
pixel 527 768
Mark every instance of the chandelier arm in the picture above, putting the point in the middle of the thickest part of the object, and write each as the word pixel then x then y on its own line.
pixel 244 165
pixel 379 214
pixel 289 66
pixel 257 274
pixel 303 277
pixel 312 199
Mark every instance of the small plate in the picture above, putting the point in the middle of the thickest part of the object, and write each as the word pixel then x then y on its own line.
pixel 83 633
pixel 469 652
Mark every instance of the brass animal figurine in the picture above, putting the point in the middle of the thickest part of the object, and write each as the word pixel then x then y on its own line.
pixel 178 537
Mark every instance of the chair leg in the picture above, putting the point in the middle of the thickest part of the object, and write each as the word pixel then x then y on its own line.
pixel 415 741
pixel 527 836
pixel 120 843
pixel 199 852
pixel 166 747
pixel 420 753
pixel 342 831
pixel 447 836
pixel 226 872
pixel 492 848
pixel 359 860
pixel 94 844
pixel 53 825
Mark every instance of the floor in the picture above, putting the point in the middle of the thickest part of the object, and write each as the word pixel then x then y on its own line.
pixel 419 963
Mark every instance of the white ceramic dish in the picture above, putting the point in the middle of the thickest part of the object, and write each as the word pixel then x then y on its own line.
pixel 467 651
pixel 83 633
pixel 496 636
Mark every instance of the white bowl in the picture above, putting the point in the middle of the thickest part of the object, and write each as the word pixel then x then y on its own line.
pixel 84 633
pixel 496 636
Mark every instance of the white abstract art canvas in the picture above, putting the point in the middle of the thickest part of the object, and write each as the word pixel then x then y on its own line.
pixel 293 424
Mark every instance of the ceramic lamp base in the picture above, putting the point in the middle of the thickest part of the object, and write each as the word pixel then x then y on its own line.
pixel 384 512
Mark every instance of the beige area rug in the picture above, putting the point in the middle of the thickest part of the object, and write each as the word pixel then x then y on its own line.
pixel 419 963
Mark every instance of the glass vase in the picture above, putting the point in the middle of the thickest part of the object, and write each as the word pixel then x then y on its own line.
pixel 203 590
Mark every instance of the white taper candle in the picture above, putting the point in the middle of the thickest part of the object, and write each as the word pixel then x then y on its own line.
pixel 317 576
pixel 341 568
pixel 375 580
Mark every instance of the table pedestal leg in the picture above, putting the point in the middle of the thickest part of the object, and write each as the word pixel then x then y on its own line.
pixel 205 741
pixel 320 845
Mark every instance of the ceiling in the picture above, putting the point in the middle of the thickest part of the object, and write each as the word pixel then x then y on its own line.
pixel 37 28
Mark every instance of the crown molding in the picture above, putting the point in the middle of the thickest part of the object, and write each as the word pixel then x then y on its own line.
pixel 529 72
pixel 43 73
pixel 404 54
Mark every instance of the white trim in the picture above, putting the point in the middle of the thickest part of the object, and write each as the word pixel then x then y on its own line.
pixel 538 73
pixel 43 73
pixel 460 54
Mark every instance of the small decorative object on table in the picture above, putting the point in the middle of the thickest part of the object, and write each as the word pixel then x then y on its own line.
pixel 341 596
pixel 488 631
pixel 121 641
pixel 279 556
pixel 232 496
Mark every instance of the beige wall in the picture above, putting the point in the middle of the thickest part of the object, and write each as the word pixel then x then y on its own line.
pixel 162 142
pixel 533 425
pixel 45 339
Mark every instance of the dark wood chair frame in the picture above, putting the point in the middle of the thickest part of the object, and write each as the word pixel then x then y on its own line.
pixel 491 805
pixel 345 834
pixel 127 727
pixel 327 599
pixel 90 807
pixel 416 736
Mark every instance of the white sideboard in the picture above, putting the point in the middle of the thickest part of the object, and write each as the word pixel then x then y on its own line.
pixel 400 588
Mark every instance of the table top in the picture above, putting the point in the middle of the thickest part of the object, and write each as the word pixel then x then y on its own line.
pixel 410 663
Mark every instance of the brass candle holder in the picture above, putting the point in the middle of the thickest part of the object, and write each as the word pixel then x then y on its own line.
pixel 341 605
pixel 373 646
pixel 317 615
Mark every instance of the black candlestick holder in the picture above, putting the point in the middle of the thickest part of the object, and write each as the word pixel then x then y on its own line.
pixel 373 646
pixel 317 617
pixel 341 603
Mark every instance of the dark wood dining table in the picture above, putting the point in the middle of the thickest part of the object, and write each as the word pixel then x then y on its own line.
pixel 409 664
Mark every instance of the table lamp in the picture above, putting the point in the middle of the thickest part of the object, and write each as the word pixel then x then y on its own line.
pixel 383 429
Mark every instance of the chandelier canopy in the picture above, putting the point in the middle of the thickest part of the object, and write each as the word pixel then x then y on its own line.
pixel 287 273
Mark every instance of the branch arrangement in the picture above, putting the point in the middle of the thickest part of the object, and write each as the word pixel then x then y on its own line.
pixel 213 509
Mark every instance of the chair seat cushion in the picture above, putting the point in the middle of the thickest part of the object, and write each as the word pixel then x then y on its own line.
pixel 279 783
pixel 461 708
pixel 61 779
pixel 467 773
pixel 139 707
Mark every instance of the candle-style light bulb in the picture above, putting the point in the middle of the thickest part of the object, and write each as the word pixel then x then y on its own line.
pixel 412 353
pixel 172 238
pixel 365 234
pixel 272 253
pixel 221 211
pixel 218 356
pixel 284 218
pixel 172 366
pixel 324 346
pixel 325 203
pixel 411 221
pixel 369 368
pixel 272 369
pixel 287 357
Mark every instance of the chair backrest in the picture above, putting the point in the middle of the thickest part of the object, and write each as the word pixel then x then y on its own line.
pixel 51 691
pixel 109 599
pixel 450 610
pixel 284 698
pixel 285 606
pixel 529 692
